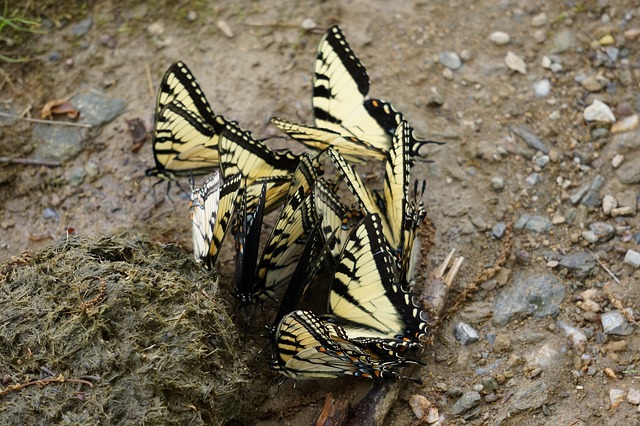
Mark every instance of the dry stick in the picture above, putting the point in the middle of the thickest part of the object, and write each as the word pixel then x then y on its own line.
pixel 56 123
pixel 30 161
pixel 147 70
pixel 373 408
pixel 59 379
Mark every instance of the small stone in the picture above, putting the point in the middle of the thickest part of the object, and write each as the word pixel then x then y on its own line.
pixel 628 199
pixel 419 404
pixel 538 224
pixel 616 346
pixel 592 84
pixel 546 62
pixel 82 27
pixel 578 264
pixel 539 20
pixel 616 396
pixel 633 396
pixel 447 74
pixel 542 88
pixel 632 34
pixel 49 213
pixel 450 60
pixel 501 343
pixel 591 306
pixel 558 219
pixel 489 383
pixel 308 24
pixel 603 231
pixel 435 98
pixel 606 40
pixel 608 203
pixel 613 322
pixel 492 397
pixel 599 111
pixel 433 416
pixel 224 28
pixel 515 63
pixel 563 41
pixel 192 15
pixel 498 230
pixel 156 28
pixel 623 211
pixel 625 125
pixel 589 236
pixel 533 179
pixel 629 172
pixel 497 183
pixel 610 373
pixel 632 258
pixel 499 38
pixel 542 161
pixel 466 402
pixel 466 334
pixel 617 160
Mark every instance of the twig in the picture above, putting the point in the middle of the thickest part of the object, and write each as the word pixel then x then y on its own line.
pixel 147 70
pixel 595 256
pixel 44 382
pixel 30 161
pixel 36 120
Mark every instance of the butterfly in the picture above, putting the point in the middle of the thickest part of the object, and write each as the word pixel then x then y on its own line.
pixel 211 209
pixel 186 130
pixel 241 153
pixel 344 116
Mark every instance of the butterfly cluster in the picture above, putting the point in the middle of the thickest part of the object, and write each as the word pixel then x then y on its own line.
pixel 351 262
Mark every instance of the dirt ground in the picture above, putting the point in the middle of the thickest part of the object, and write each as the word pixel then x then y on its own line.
pixel 479 178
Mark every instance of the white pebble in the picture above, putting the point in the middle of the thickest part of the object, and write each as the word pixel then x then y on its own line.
pixel 499 38
pixel 633 397
pixel 616 396
pixel 617 160
pixel 224 28
pixel 608 203
pixel 599 111
pixel 546 62
pixel 539 20
pixel 419 404
pixel 632 258
pixel 542 88
pixel 515 63
pixel 433 415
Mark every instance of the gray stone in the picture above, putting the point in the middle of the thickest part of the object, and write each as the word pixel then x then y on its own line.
pixel 632 258
pixel 477 312
pixel 533 178
pixel 76 176
pixel 602 230
pixel 613 322
pixel 538 224
pixel 532 292
pixel 466 334
pixel 82 27
pixel 498 230
pixel 58 143
pixel 489 383
pixel 563 41
pixel 530 395
pixel 578 264
pixel 465 403
pixel 629 171
pixel 98 109
pixel 542 161
pixel 590 236
pixel 522 221
pixel 578 194
pixel 450 60
pixel 497 183
pixel 50 213
pixel 529 138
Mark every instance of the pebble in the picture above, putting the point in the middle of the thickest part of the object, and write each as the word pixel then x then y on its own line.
pixel 599 111
pixel 616 396
pixel 532 292
pixel 225 28
pixel 450 60
pixel 435 99
pixel 632 34
pixel 466 334
pixel 542 88
pixel 98 109
pixel 433 416
pixel 626 124
pixel 591 84
pixel 497 183
pixel 558 220
pixel 606 40
pixel 578 264
pixel 539 20
pixel 156 28
pixel 492 397
pixel 542 161
pixel 591 306
pixel 632 258
pixel 501 343
pixel 529 138
pixel 82 27
pixel 633 396
pixel 59 143
pixel 613 322
pixel 578 338
pixel 499 38
pixel 447 74
pixel 498 230
pixel 466 402
pixel 563 41
pixel 489 383
pixel 617 160
pixel 533 179
pixel 50 213
pixel 192 15
pixel 629 172
pixel 546 62
pixel 515 63
pixel 538 224
pixel 530 395
pixel 420 405
pixel 602 230
pixel 618 346
pixel 589 236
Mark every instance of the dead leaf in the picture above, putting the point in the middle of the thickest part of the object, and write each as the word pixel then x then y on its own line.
pixel 59 106
pixel 138 131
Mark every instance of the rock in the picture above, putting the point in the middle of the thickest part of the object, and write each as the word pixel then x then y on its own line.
pixel 602 230
pixel 578 264
pixel 542 161
pixel 499 38
pixel 58 143
pixel 515 63
pixel 435 98
pixel 50 213
pixel 501 343
pixel 419 404
pixel 538 224
pixel 549 356
pixel 466 334
pixel 563 41
pixel 533 179
pixel 606 40
pixel 225 28
pixel 529 138
pixel 82 27
pixel 498 230
pixel 599 111
pixel 542 88
pixel 530 395
pixel 465 403
pixel 626 124
pixel 591 197
pixel 628 199
pixel 532 292
pixel 539 20
pixel 433 416
pixel 608 203
pixel 616 396
pixel 592 84
pixel 617 160
pixel 497 183
pixel 450 60
pixel 633 396
pixel 97 109
pixel 613 322
pixel 629 172
pixel 632 258
pixel 577 337
pixel 632 34
pixel 476 313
